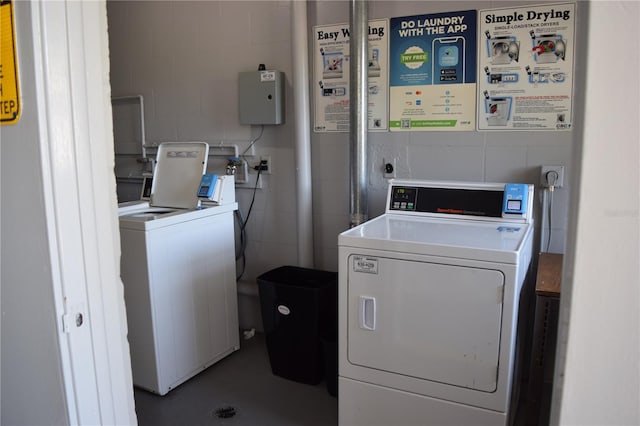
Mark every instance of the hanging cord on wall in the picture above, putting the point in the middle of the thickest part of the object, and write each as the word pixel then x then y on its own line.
pixel 253 141
pixel 240 251
pixel 243 224
pixel 543 217
pixel 549 218
pixel 253 198
pixel 552 178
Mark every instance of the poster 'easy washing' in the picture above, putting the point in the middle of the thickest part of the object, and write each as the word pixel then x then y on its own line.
pixel 331 74
pixel 432 76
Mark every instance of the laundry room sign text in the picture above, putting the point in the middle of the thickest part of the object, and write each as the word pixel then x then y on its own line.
pixel 331 76
pixel 9 86
pixel 432 76
pixel 525 68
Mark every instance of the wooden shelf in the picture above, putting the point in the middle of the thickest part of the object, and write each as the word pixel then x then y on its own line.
pixel 548 283
pixel 549 278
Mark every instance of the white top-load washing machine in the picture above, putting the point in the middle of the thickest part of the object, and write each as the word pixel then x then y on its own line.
pixel 428 305
pixel 178 271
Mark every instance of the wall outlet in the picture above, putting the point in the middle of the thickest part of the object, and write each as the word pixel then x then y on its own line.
pixel 545 176
pixel 389 167
pixel 269 165
pixel 264 162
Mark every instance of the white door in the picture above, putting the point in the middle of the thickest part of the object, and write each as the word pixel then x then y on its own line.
pixel 76 140
pixel 430 321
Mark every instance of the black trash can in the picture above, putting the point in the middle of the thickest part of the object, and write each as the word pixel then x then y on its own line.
pixel 296 304
pixel 329 338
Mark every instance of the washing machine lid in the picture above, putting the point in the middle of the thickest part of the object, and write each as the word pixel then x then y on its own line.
pixel 129 207
pixel 463 239
pixel 151 213
pixel 150 218
pixel 178 171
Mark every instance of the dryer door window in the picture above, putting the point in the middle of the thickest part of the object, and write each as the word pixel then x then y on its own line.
pixel 425 320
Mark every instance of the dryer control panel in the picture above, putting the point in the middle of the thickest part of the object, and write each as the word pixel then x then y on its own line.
pixel 488 200
pixel 403 198
pixel 459 201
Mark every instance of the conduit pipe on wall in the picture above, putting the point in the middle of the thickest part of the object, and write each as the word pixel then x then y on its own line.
pixel 302 131
pixel 358 110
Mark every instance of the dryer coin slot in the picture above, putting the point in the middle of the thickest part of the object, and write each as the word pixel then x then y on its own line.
pixel 515 200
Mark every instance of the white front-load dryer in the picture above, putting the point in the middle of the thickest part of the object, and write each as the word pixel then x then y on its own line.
pixel 428 307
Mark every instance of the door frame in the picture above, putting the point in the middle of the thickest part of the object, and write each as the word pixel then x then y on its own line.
pixel 76 139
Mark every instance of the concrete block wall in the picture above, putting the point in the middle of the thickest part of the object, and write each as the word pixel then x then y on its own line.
pixel 184 58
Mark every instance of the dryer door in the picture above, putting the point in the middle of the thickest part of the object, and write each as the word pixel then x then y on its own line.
pixel 429 321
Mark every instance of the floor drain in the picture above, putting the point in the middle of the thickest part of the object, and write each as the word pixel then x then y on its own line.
pixel 225 412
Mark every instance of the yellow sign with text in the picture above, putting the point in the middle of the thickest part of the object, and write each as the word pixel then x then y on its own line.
pixel 9 85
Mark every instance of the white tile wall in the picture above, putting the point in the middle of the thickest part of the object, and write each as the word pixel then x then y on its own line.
pixel 184 58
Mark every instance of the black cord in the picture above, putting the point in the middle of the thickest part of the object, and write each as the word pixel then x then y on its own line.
pixel 240 253
pixel 243 224
pixel 253 198
pixel 241 234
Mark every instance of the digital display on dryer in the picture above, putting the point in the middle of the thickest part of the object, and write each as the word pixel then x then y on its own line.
pixel 403 198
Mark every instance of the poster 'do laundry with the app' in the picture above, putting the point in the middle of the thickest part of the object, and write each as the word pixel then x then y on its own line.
pixel 525 76
pixel 432 72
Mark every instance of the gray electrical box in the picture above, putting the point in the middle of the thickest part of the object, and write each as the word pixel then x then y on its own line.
pixel 261 97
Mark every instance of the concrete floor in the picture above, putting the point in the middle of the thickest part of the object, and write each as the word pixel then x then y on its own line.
pixel 242 384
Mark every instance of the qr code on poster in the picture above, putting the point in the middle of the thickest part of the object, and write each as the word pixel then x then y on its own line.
pixel 405 123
